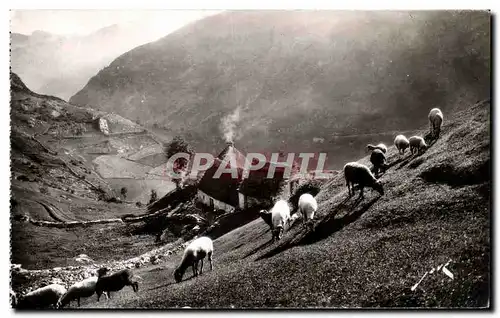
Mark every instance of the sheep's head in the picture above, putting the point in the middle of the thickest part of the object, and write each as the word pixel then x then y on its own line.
pixel 178 275
pixel 266 216
pixel 378 186
pixel 102 271
pixel 278 232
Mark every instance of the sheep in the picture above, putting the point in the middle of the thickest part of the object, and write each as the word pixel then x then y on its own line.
pixel 114 282
pixel 356 173
pixel 42 297
pixel 307 207
pixel 377 158
pixel 380 146
pixel 84 288
pixel 401 144
pixel 13 298
pixel 417 144
pixel 280 216
pixel 435 121
pixel 193 254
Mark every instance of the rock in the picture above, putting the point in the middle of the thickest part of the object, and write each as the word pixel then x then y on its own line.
pixel 103 126
pixel 58 281
pixel 83 258
pixel 55 114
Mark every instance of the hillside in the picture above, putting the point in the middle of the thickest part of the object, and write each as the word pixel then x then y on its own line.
pixel 288 79
pixel 61 65
pixel 65 169
pixel 361 253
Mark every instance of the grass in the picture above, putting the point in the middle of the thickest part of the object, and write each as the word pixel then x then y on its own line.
pixel 362 252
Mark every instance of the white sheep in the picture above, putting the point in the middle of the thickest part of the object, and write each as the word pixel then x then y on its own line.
pixel 435 121
pixel 357 173
pixel 380 146
pixel 417 144
pixel 401 144
pixel 84 288
pixel 193 254
pixel 307 207
pixel 280 217
pixel 42 297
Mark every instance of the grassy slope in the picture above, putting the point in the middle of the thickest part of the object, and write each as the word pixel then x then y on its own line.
pixel 362 252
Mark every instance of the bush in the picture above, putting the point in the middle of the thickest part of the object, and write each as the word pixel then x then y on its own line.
pixel 154 196
pixel 124 192
pixel 311 186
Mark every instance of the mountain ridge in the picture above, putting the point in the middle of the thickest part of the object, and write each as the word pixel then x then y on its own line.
pixel 299 77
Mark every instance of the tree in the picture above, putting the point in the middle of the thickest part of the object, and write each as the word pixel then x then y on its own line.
pixel 178 145
pixel 154 196
pixel 124 192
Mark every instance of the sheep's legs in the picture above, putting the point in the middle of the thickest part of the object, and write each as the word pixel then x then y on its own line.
pixel 195 268
pixel 201 268
pixel 78 299
pixel 210 259
pixel 361 195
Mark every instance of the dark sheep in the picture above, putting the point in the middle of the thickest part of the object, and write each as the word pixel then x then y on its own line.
pixel 114 282
pixel 377 158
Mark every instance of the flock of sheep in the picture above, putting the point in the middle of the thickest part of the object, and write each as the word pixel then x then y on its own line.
pixel 277 218
pixel 355 173
pixel 58 296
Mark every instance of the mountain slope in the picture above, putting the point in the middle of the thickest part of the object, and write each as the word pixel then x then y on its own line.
pixel 279 79
pixel 361 253
pixel 61 65
pixel 57 157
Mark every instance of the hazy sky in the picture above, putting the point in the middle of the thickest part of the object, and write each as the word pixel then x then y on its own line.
pixel 86 21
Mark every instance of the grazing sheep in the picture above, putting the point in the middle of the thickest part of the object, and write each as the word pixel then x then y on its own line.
pixel 114 282
pixel 379 146
pixel 193 254
pixel 42 297
pixel 84 288
pixel 401 144
pixel 435 121
pixel 13 299
pixel 356 173
pixel 377 158
pixel 417 144
pixel 280 216
pixel 307 207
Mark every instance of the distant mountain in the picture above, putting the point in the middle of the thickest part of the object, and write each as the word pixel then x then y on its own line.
pixel 300 80
pixel 61 65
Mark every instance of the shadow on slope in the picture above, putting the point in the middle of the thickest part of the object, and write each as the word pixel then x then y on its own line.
pixel 327 226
